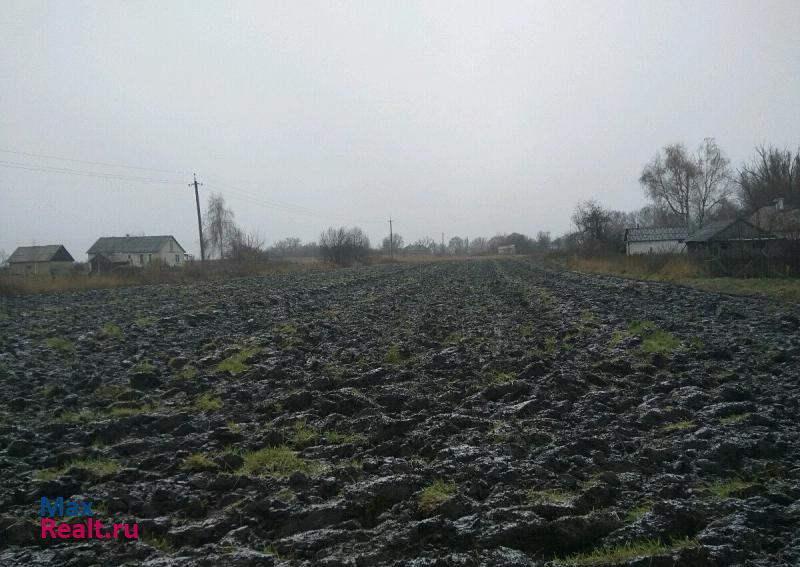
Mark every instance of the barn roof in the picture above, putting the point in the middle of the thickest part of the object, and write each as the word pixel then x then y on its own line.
pixel 131 244
pixel 655 233
pixel 49 253
pixel 732 229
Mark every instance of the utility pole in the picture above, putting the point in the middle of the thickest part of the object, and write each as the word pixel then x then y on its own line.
pixel 391 239
pixel 443 243
pixel 199 221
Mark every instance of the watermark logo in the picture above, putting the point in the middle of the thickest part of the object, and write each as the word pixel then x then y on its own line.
pixel 92 528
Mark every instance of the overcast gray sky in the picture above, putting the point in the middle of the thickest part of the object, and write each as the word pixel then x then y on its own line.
pixel 468 118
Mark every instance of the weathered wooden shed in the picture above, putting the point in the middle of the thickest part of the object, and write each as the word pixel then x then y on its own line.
pixel 738 247
pixel 40 260
pixel 732 239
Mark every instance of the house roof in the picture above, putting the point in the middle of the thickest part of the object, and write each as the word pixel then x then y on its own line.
pixel 770 218
pixel 655 233
pixel 727 230
pixel 49 253
pixel 131 244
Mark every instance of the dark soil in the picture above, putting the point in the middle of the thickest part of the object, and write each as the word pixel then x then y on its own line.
pixel 460 413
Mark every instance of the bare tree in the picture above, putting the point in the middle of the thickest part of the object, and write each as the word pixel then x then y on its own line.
pixel 456 246
pixel 543 240
pixel 669 179
pixel 478 245
pixel 397 243
pixel 287 247
pixel 343 246
pixel 713 181
pixel 773 174
pixel 592 222
pixel 426 242
pixel 220 228
pixel 246 247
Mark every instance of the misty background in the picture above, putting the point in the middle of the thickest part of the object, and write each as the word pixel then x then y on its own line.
pixel 468 118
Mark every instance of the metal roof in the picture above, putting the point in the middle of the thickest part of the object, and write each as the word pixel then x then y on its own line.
pixel 655 233
pixel 49 253
pixel 131 244
pixel 745 231
pixel 709 230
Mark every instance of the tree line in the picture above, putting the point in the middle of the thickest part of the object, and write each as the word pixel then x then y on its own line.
pixel 225 240
pixel 691 189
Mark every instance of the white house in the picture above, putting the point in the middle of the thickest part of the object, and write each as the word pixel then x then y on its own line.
pixel 509 249
pixel 655 240
pixel 137 251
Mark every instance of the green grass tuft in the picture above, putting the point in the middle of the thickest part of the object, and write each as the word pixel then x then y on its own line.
pixel 97 467
pixel 678 426
pixel 435 494
pixel 498 377
pixel 144 322
pixel 611 555
pixel 303 434
pixel 160 543
pixel 87 415
pixel 393 356
pixel 112 331
pixel 59 344
pixel 208 402
pixel 145 367
pixel 275 462
pixel 735 418
pixel 198 462
pixel 725 489
pixel 237 363
pixel 550 496
pixel 187 373
pixel 639 511
pixel 641 327
pixel 659 342
pixel 339 438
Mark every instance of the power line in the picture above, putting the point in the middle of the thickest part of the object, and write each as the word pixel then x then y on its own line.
pixel 81 172
pixel 243 194
pixel 104 163
pixel 284 207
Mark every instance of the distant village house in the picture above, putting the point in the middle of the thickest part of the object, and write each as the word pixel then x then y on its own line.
pixel 509 249
pixel 110 252
pixel 778 219
pixel 40 260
